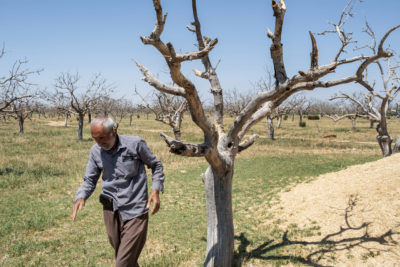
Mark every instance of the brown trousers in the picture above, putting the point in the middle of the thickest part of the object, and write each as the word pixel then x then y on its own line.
pixel 127 238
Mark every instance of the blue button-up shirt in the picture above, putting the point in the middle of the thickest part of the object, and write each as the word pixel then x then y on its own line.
pixel 124 175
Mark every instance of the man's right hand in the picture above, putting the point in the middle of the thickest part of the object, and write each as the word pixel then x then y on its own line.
pixel 78 205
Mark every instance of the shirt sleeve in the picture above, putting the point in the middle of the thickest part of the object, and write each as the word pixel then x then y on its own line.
pixel 152 162
pixel 90 179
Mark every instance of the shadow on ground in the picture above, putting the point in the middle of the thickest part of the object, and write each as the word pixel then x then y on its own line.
pixel 315 253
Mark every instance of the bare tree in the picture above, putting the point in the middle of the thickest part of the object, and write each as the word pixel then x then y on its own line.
pixel 353 109
pixel 14 86
pixel 121 109
pixel 322 108
pixel 374 114
pixel 81 102
pixel 60 102
pixel 391 87
pixel 277 113
pixel 168 109
pixel 220 147
pixel 21 109
pixel 234 102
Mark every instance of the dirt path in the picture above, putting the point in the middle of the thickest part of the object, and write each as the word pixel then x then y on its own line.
pixel 357 210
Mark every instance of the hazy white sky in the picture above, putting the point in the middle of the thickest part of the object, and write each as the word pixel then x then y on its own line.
pixel 103 36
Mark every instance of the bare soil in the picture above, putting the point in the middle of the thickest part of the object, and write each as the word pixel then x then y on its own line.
pixel 357 210
pixel 56 123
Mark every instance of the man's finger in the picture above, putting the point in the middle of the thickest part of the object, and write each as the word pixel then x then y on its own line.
pixel 73 215
pixel 148 203
pixel 156 207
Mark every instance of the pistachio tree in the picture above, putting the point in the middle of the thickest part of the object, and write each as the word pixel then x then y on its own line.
pixel 220 146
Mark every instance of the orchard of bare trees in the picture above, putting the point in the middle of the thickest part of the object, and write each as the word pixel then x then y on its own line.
pixel 372 68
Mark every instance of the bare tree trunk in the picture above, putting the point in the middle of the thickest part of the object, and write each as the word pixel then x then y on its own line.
pixel 270 123
pixel 353 124
pixel 385 143
pixel 279 121
pixel 89 117
pixel 384 140
pixel 396 146
pixel 21 123
pixel 66 119
pixel 80 126
pixel 220 232
pixel 301 117
pixel 130 119
pixel 177 133
pixel 371 124
pixel 292 117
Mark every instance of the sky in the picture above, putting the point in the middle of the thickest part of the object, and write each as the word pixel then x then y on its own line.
pixel 102 36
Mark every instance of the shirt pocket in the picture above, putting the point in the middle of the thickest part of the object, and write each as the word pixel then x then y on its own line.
pixel 130 165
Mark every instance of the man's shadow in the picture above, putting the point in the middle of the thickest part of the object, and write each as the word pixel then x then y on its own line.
pixel 324 247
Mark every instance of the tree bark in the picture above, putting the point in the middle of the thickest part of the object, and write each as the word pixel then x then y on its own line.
pixel 300 117
pixel 371 124
pixel 80 127
pixel 353 124
pixel 21 123
pixel 384 139
pixel 270 123
pixel 89 117
pixel 385 143
pixel 130 120
pixel 279 121
pixel 66 119
pixel 396 146
pixel 177 133
pixel 220 232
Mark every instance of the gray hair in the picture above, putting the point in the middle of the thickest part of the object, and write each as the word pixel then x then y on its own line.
pixel 108 123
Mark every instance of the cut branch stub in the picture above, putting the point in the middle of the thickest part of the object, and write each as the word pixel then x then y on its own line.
pixel 185 149
pixel 248 142
pixel 314 52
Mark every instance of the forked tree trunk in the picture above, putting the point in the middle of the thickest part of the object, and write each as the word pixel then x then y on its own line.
pixel 270 123
pixel 80 127
pixel 21 123
pixel 220 233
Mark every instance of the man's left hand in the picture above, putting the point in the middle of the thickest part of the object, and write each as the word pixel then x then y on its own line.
pixel 154 197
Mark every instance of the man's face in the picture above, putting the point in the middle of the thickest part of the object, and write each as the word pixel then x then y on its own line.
pixel 104 139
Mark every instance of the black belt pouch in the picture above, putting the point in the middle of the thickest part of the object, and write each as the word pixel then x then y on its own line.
pixel 106 201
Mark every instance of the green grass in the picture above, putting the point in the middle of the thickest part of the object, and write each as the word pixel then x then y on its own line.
pixel 41 169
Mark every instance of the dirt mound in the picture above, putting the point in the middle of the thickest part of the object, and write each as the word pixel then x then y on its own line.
pixel 357 210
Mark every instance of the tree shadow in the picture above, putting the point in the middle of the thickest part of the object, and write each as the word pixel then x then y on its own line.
pixel 324 247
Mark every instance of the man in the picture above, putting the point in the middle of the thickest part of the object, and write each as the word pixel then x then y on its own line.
pixel 125 199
